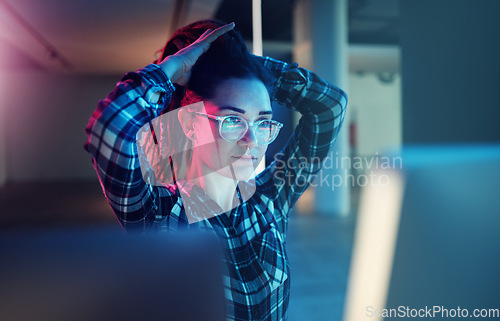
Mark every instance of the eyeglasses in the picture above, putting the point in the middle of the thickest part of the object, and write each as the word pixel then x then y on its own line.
pixel 232 128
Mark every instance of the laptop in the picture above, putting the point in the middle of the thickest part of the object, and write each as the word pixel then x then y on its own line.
pixel 106 274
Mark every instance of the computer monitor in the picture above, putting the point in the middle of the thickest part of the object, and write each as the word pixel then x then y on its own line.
pixel 427 243
pixel 104 274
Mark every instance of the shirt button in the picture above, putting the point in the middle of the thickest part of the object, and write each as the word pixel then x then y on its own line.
pixel 232 231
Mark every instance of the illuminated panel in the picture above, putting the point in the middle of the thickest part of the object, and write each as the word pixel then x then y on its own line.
pixel 257 48
pixel 374 244
pixel 257 27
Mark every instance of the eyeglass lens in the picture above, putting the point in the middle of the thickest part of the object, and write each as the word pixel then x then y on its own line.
pixel 234 128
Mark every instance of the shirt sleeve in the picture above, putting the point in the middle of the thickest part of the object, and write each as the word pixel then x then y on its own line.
pixel 322 107
pixel 137 99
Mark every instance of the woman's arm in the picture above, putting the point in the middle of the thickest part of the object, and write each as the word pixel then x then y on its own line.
pixel 137 99
pixel 112 144
pixel 322 106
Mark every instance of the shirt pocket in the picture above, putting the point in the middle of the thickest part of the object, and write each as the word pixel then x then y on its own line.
pixel 269 247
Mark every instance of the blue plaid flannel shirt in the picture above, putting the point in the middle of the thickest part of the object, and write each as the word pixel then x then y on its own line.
pixel 257 281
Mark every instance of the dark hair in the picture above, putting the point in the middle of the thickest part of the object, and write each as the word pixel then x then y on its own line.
pixel 227 57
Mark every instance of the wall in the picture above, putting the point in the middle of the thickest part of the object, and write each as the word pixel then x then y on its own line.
pixel 43 116
pixel 451 71
pixel 376 110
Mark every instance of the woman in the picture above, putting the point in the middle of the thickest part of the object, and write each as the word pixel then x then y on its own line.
pixel 222 104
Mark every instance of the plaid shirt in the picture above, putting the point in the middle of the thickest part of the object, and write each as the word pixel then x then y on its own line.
pixel 257 280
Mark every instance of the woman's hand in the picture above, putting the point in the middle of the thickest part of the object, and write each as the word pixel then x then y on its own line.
pixel 178 66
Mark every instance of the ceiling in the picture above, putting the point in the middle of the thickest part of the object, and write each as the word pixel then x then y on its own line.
pixel 370 21
pixel 113 36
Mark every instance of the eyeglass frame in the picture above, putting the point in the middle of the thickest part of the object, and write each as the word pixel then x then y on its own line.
pixel 220 120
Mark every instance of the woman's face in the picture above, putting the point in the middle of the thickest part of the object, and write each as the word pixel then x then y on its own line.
pixel 247 98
